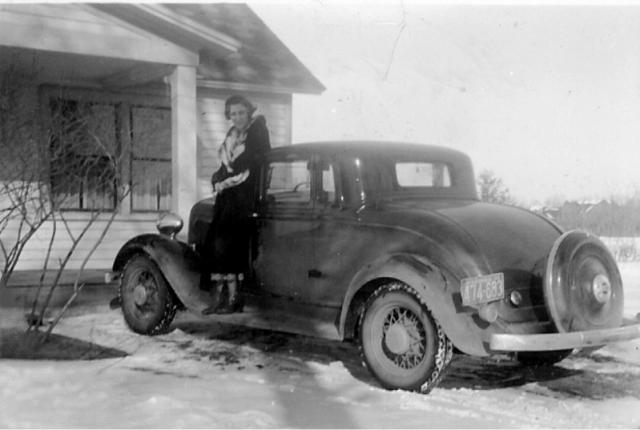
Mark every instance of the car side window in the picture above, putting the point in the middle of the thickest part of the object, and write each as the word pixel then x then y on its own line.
pixel 328 190
pixel 289 182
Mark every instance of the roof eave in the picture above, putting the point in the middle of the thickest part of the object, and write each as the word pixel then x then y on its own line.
pixel 157 19
pixel 196 29
pixel 240 86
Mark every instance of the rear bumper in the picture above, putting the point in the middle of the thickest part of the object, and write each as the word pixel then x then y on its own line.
pixel 557 341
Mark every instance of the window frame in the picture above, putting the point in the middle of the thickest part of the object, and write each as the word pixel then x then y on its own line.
pixel 316 202
pixel 81 207
pixel 272 202
pixel 374 189
pixel 446 169
pixel 133 158
pixel 124 103
pixel 335 168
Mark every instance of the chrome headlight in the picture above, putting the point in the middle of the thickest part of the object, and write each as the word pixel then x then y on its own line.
pixel 169 224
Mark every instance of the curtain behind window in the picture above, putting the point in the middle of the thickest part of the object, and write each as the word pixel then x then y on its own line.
pixel 151 159
pixel 83 149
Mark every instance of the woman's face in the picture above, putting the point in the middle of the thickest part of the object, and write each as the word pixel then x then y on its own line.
pixel 239 116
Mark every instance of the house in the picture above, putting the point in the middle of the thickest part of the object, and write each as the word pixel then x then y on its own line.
pixel 150 82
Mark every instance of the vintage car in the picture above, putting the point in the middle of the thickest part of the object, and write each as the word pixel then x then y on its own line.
pixel 388 244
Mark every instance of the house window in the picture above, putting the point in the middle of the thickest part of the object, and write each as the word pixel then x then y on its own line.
pixel 89 157
pixel 82 147
pixel 150 159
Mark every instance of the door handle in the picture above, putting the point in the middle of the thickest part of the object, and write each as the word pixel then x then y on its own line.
pixel 314 273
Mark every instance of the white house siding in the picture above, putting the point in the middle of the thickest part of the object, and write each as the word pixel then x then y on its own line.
pixel 127 223
pixel 34 254
pixel 213 126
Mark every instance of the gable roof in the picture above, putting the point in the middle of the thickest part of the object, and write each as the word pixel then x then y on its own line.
pixel 262 59
pixel 236 47
pixel 162 21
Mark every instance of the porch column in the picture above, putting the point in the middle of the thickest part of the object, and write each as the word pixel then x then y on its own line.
pixel 184 159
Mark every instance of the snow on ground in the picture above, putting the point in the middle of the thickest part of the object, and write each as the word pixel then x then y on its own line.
pixel 630 272
pixel 206 374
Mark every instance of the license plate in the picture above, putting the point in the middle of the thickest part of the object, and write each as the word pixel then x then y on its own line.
pixel 482 289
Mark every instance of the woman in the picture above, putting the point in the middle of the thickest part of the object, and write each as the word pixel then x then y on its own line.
pixel 234 183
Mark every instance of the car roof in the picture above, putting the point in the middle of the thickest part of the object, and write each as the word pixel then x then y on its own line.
pixel 463 186
pixel 364 147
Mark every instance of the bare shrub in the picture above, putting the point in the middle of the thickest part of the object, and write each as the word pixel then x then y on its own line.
pixel 71 163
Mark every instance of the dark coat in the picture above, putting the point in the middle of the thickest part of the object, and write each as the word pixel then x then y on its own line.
pixel 228 236
pixel 256 146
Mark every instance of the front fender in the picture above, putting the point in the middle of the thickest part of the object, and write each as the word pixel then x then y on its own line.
pixel 433 288
pixel 179 264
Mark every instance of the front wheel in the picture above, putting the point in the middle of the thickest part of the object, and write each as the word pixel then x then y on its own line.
pixel 148 304
pixel 401 343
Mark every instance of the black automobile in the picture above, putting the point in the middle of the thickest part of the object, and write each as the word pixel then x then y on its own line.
pixel 388 244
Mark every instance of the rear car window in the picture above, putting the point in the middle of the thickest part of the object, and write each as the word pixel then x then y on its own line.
pixel 422 174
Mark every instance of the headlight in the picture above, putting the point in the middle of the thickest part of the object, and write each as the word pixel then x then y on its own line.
pixel 169 224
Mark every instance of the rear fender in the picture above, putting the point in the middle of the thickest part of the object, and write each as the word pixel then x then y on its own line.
pixel 432 287
pixel 179 264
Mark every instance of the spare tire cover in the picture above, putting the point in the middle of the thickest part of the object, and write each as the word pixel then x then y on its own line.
pixel 582 285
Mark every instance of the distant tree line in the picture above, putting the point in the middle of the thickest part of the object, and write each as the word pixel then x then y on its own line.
pixel 603 218
pixel 491 189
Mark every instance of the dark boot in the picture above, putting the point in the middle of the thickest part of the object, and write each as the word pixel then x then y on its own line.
pixel 217 291
pixel 237 302
pixel 228 300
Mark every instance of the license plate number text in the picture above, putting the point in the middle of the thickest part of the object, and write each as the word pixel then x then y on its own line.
pixel 482 289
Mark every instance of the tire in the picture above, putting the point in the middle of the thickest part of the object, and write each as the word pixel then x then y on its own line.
pixel 582 284
pixel 400 342
pixel 148 304
pixel 542 358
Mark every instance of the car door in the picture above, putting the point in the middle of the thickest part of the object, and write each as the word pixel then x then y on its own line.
pixel 337 240
pixel 285 224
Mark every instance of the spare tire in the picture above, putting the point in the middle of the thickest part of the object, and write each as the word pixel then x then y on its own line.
pixel 582 285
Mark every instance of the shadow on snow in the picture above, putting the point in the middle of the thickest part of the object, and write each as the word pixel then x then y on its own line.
pixel 594 381
pixel 17 344
pixel 604 377
pixel 286 360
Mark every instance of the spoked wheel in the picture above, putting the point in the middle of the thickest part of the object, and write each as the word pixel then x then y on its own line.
pixel 148 304
pixel 401 343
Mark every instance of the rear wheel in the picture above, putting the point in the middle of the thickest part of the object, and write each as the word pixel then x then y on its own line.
pixel 401 343
pixel 148 304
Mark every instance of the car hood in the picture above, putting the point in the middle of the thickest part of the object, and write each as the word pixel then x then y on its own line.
pixel 477 237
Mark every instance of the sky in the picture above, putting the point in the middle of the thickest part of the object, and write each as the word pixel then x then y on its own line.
pixel 546 96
